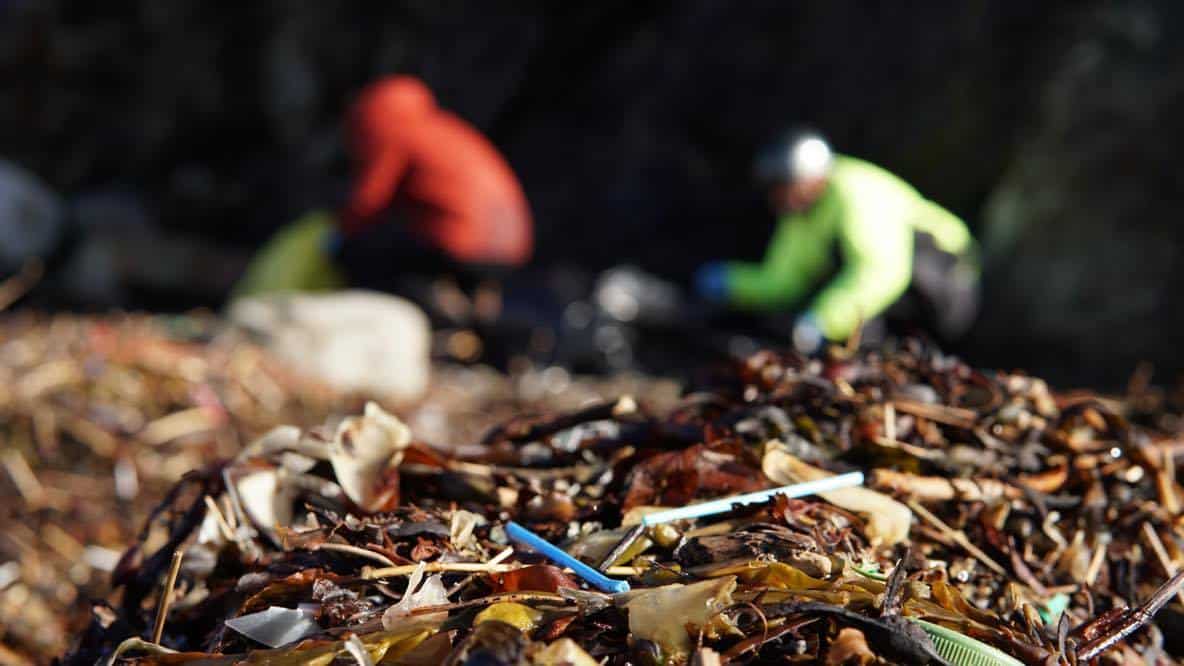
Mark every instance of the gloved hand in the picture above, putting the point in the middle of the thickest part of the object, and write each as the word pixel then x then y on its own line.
pixel 807 334
pixel 332 242
pixel 298 258
pixel 711 282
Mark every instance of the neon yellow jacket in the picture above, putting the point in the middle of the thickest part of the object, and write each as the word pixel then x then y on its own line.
pixel 294 259
pixel 871 216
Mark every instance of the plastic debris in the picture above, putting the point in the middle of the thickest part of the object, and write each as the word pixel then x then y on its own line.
pixel 276 626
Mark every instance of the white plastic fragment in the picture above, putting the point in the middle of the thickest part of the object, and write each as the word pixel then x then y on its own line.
pixel 460 529
pixel 357 650
pixel 431 593
pixel 276 626
pixel 266 498
pixel 364 450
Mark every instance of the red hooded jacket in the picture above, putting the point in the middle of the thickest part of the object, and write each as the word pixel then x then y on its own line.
pixel 453 184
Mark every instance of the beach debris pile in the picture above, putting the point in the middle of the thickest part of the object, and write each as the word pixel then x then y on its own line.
pixel 955 516
pixel 101 415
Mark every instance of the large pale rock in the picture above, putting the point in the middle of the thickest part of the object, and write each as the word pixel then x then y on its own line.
pixel 355 340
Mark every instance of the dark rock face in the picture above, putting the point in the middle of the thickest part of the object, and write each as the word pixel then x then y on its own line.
pixel 1083 229
pixel 628 121
pixel 632 125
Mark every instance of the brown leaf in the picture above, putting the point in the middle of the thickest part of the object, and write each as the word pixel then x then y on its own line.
pixel 288 591
pixel 678 477
pixel 558 627
pixel 425 549
pixel 420 454
pixel 538 577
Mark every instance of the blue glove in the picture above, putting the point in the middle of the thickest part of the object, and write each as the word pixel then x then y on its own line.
pixel 711 282
pixel 332 243
pixel 807 334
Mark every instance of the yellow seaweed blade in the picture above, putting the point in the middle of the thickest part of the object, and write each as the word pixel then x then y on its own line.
pixel 521 616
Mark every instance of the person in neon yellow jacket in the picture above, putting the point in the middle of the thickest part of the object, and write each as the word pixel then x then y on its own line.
pixel 852 241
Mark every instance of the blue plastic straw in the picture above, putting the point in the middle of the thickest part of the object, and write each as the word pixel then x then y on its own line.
pixel 520 534
pixel 725 504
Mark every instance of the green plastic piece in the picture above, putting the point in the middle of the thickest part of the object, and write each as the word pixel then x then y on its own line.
pixel 870 571
pixel 1052 611
pixel 962 650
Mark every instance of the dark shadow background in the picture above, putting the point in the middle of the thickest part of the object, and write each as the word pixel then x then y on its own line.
pixel 1053 127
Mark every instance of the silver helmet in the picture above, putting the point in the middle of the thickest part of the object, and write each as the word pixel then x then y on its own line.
pixel 801 154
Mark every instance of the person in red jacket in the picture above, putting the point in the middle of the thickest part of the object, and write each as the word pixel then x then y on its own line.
pixel 437 174
pixel 434 214
pixel 431 197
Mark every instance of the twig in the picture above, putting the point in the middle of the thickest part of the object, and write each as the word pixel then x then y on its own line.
pixel 436 567
pixel 496 559
pixel 176 425
pixel 624 571
pixel 1095 563
pixel 1021 569
pixel 893 600
pixel 101 442
pixel 227 531
pixel 490 600
pixel 953 416
pixel 771 633
pixel 1166 480
pixel 1131 621
pixel 235 501
pixel 18 285
pixel 941 489
pixel 522 431
pixel 137 643
pixel 62 542
pixel 1161 554
pixel 228 512
pixel 24 479
pixel 166 596
pixel 622 546
pixel 911 449
pixel 958 536
pixel 360 552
